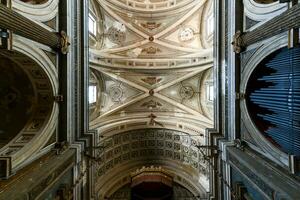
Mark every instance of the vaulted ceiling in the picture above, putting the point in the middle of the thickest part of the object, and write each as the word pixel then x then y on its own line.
pixel 151 64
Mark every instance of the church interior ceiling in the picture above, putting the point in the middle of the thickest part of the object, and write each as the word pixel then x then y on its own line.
pixel 120 104
pixel 151 77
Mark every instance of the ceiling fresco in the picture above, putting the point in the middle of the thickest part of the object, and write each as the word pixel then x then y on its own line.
pixel 151 62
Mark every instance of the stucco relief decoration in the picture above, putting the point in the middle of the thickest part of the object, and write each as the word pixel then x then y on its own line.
pixel 152 104
pixel 151 50
pixel 186 34
pixel 115 93
pixel 151 25
pixel 117 33
pixel 152 80
pixel 186 92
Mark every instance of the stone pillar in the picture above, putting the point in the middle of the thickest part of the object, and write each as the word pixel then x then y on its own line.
pixel 18 24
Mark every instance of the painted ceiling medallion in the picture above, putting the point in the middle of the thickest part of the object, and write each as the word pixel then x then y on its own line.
pixel 117 35
pixel 186 34
pixel 186 92
pixel 115 93
pixel 153 5
pixel 134 53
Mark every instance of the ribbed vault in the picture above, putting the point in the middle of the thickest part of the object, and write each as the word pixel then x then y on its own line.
pixel 150 62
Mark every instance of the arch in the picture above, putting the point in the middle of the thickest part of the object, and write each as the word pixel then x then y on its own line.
pixel 42 123
pixel 207 95
pixel 18 97
pixel 206 38
pixel 272 93
pixel 94 81
pixel 97 41
pixel 185 123
pixel 133 149
pixel 262 12
pixel 261 53
pixel 177 178
pixel 157 7
pixel 116 180
pixel 45 11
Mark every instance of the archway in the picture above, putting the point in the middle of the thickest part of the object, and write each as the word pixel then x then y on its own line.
pixel 28 109
pixel 273 90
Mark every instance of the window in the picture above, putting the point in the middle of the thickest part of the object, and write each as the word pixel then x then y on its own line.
pixel 210 25
pixel 92 25
pixel 92 94
pixel 210 92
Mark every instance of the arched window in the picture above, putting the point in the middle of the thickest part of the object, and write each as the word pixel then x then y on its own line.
pixel 92 25
pixel 274 99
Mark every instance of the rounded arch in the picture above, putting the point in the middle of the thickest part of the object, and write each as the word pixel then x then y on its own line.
pixel 260 54
pixel 133 149
pixel 178 192
pixel 261 12
pixel 96 41
pixel 117 180
pixel 207 93
pixel 42 123
pixel 207 25
pixel 272 92
pixel 95 89
pixel 40 11
pixel 18 97
pixel 185 122
pixel 157 7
